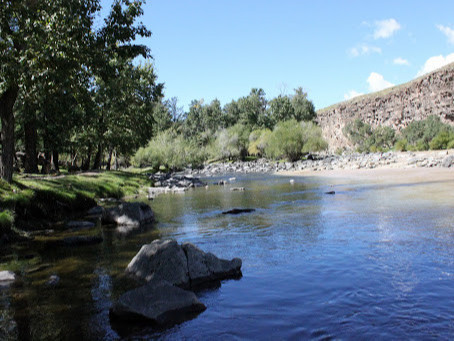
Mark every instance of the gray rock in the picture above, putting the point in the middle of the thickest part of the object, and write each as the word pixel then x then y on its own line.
pixel 7 277
pixel 131 214
pixel 448 161
pixel 206 267
pixel 95 211
pixel 237 189
pixel 159 302
pixel 160 260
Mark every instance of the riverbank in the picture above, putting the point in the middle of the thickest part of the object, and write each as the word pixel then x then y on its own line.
pixel 326 163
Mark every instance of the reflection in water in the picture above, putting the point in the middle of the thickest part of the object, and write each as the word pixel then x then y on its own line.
pixel 373 260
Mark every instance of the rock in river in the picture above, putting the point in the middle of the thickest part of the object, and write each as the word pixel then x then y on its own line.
pixel 128 214
pixel 182 265
pixel 160 260
pixel 7 278
pixel 239 210
pixel 159 302
pixel 205 267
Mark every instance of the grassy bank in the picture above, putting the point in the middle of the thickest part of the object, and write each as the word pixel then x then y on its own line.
pixel 30 199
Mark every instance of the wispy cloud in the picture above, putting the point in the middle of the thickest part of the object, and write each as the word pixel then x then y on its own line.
pixel 435 62
pixel 401 61
pixel 377 82
pixel 385 28
pixel 448 32
pixel 363 50
pixel 352 94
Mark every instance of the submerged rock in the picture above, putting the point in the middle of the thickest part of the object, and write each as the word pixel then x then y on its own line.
pixel 80 240
pixel 159 302
pixel 80 225
pixel 330 192
pixel 239 210
pixel 129 214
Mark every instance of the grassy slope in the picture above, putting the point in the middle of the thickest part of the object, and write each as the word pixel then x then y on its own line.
pixel 56 197
pixel 384 92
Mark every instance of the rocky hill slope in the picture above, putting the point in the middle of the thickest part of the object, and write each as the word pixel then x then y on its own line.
pixel 431 94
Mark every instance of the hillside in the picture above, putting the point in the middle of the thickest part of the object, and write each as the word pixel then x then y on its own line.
pixel 431 94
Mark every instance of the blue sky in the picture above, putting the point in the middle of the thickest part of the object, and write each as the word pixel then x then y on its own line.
pixel 333 49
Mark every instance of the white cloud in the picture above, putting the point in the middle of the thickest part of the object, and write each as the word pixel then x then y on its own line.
pixel 385 28
pixel 363 50
pixel 448 32
pixel 351 94
pixel 377 82
pixel 400 61
pixel 435 62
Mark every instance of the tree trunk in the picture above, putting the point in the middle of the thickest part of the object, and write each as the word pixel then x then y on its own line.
pixel 109 159
pixel 87 161
pixel 98 157
pixel 30 139
pixel 45 169
pixel 55 165
pixel 7 100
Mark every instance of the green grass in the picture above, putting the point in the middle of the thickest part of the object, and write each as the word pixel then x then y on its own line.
pixel 54 197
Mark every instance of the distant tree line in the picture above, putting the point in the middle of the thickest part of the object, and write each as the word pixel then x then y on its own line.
pixel 252 126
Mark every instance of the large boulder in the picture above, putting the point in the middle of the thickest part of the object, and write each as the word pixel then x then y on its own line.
pixel 128 214
pixel 181 265
pixel 160 260
pixel 158 302
pixel 206 267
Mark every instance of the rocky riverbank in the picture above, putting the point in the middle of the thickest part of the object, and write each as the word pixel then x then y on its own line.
pixel 427 159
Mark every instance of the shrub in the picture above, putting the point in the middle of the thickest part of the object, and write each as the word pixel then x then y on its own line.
pixel 170 150
pixel 231 143
pixel 419 134
pixel 367 139
pixel 258 141
pixel 286 141
pixel 442 140
pixel 312 138
pixel 401 145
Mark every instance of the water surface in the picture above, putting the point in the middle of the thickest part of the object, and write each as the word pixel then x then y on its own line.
pixel 373 261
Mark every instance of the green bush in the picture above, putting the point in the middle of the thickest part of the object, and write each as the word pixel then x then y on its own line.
pixel 442 140
pixel 258 141
pixel 231 143
pixel 312 138
pixel 401 145
pixel 420 134
pixel 286 141
pixel 367 139
pixel 170 150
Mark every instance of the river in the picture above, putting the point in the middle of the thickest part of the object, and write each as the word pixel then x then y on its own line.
pixel 373 261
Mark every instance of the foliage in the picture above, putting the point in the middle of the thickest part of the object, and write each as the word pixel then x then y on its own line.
pixel 367 139
pixel 401 145
pixel 171 151
pixel 303 108
pixel 443 140
pixel 287 140
pixel 258 142
pixel 420 133
pixel 312 138
pixel 232 143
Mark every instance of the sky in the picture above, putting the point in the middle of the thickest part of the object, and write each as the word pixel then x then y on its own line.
pixel 334 50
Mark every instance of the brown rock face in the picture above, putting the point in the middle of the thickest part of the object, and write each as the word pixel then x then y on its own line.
pixel 432 94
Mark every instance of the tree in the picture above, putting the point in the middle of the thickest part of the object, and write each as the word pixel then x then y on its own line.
pixel 253 109
pixel 304 109
pixel 50 52
pixel 281 109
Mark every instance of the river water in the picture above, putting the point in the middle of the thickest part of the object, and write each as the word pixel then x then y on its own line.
pixel 373 261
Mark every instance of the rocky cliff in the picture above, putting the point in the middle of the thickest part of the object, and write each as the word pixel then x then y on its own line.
pixel 431 94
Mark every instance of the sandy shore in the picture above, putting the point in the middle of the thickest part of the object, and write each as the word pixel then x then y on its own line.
pixel 398 172
pixel 383 174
